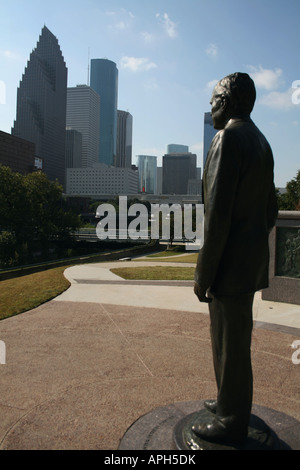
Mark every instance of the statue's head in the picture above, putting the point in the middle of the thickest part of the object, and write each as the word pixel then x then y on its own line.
pixel 233 96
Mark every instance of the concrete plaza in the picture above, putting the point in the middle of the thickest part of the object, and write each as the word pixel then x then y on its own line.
pixel 81 368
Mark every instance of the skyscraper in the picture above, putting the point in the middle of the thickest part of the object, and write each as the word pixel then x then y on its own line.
pixel 124 140
pixel 73 148
pixel 147 165
pixel 83 115
pixel 41 105
pixel 177 148
pixel 178 169
pixel 104 80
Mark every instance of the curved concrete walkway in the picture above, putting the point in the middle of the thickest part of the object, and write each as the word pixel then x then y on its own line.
pixel 83 367
pixel 96 283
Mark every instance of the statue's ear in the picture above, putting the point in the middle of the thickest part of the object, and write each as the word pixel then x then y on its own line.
pixel 224 101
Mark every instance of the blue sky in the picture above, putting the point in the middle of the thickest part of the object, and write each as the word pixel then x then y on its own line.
pixel 169 54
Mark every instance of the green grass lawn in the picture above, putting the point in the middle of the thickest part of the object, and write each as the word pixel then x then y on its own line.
pixel 26 292
pixel 23 293
pixel 164 256
pixel 167 253
pixel 169 273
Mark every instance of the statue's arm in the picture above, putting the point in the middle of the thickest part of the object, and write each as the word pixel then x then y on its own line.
pixel 220 185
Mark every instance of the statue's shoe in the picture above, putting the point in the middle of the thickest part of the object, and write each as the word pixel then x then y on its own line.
pixel 218 432
pixel 211 405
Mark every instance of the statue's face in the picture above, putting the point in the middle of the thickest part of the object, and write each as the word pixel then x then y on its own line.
pixel 218 108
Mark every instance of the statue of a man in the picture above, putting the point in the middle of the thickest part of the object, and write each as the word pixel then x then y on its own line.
pixel 240 210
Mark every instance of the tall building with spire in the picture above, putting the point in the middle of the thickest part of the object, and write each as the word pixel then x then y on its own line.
pixel 41 105
pixel 104 80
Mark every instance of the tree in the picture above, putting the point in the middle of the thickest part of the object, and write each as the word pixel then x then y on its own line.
pixel 12 200
pixel 32 212
pixel 290 200
pixel 8 248
pixel 46 214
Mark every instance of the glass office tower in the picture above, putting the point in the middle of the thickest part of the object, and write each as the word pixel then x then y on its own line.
pixel 147 165
pixel 83 114
pixel 124 140
pixel 177 148
pixel 178 169
pixel 41 105
pixel 104 80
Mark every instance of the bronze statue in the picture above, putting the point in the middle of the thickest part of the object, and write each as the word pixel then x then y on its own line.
pixel 240 210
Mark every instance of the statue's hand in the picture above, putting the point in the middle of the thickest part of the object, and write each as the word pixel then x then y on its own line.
pixel 201 294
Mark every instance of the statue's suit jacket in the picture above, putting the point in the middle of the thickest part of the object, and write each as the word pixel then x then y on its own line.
pixel 240 210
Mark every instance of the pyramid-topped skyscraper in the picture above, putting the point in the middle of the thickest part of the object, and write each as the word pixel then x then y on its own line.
pixel 41 105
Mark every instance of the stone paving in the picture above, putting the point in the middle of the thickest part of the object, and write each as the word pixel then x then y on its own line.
pixel 83 367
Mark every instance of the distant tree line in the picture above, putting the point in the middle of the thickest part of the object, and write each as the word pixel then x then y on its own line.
pixel 34 219
pixel 290 200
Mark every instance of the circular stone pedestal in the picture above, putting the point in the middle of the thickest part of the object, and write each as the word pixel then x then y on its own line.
pixel 169 428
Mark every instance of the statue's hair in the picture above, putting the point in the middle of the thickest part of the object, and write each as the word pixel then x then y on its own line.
pixel 240 90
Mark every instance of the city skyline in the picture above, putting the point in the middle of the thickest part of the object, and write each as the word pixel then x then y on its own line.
pixel 169 55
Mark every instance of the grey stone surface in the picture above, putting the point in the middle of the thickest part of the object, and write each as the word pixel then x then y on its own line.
pixel 162 429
